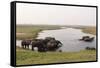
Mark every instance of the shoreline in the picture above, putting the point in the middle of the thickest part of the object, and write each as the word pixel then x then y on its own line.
pixel 34 34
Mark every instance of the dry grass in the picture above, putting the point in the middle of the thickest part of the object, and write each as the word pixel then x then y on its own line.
pixel 90 30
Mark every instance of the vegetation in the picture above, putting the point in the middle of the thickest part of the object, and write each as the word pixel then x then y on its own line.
pixel 91 30
pixel 85 29
pixel 24 57
pixel 31 31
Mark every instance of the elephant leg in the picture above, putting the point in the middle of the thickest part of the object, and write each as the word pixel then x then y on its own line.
pixel 41 49
pixel 28 46
pixel 32 48
pixel 38 49
pixel 45 49
pixel 25 46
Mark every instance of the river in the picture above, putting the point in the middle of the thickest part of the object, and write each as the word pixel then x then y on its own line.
pixel 69 37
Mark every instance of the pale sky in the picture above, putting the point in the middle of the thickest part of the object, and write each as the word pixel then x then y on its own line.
pixel 55 15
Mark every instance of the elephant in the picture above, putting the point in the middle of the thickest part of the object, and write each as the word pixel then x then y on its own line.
pixel 90 48
pixel 47 39
pixel 52 45
pixel 39 43
pixel 47 44
pixel 84 37
pixel 87 38
pixel 25 43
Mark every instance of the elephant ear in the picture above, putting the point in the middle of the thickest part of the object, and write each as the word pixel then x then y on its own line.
pixel 59 45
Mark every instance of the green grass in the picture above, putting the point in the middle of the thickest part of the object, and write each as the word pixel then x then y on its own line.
pixel 25 57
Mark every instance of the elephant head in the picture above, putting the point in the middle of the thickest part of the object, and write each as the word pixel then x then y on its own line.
pixel 53 44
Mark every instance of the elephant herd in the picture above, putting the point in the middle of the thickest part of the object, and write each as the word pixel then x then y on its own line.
pixel 43 45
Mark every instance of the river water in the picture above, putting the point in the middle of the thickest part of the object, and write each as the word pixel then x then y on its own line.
pixel 69 38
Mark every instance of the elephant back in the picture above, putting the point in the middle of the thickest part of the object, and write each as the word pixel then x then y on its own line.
pixel 49 38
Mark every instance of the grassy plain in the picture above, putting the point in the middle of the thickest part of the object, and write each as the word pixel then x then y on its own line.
pixel 26 57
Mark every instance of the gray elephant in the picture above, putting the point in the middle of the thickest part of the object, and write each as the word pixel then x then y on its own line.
pixel 53 45
pixel 87 38
pixel 25 43
pixel 90 48
pixel 39 43
pixel 47 44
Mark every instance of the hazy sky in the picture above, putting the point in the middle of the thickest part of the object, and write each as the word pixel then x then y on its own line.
pixel 55 15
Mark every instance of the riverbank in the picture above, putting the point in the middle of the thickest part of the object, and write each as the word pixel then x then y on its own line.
pixel 26 57
pixel 31 31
